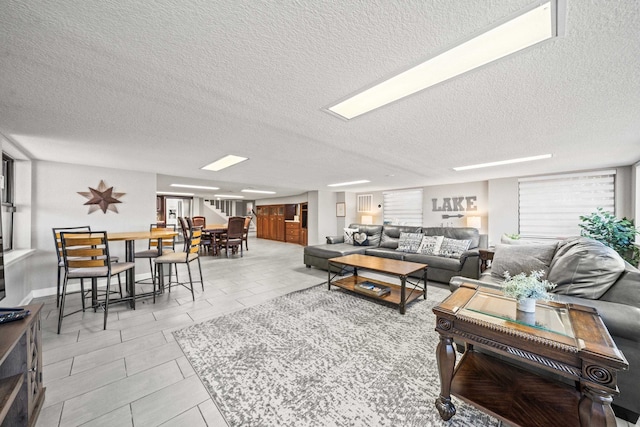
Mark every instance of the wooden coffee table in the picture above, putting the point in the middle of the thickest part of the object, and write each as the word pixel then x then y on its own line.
pixel 402 269
pixel 559 368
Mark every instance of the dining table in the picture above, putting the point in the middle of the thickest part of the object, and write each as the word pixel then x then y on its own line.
pixel 130 237
pixel 215 230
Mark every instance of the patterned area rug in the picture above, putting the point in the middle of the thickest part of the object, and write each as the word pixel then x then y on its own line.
pixel 323 358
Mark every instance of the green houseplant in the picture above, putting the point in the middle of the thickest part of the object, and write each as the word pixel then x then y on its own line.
pixel 527 289
pixel 618 234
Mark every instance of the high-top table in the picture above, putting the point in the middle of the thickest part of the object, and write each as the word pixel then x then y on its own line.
pixel 555 367
pixel 130 237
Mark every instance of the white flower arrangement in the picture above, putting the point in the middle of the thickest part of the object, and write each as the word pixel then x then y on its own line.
pixel 522 286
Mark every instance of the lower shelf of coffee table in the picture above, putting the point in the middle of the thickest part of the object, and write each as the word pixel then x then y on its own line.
pixel 349 283
pixel 519 397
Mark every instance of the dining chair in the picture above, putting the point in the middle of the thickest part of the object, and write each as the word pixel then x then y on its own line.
pixel 153 250
pixel 233 238
pixel 86 256
pixel 58 243
pixel 184 227
pixel 245 232
pixel 206 241
pixel 186 257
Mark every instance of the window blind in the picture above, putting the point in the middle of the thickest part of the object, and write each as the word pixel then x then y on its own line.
pixel 365 202
pixel 402 207
pixel 550 206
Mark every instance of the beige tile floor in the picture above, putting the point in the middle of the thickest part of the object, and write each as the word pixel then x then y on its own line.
pixel 134 373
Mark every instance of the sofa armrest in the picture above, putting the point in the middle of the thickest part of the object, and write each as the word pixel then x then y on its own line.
pixel 469 254
pixel 484 281
pixel 335 239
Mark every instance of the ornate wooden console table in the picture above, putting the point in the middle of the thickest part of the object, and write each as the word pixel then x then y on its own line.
pixel 558 367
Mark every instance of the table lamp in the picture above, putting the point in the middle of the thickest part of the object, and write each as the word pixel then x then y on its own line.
pixel 474 221
pixel 366 219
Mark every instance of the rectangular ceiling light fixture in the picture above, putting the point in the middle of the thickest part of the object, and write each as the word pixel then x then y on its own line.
pixel 171 193
pixel 199 187
pixel 539 22
pixel 342 184
pixel 248 190
pixel 224 162
pixel 227 196
pixel 503 162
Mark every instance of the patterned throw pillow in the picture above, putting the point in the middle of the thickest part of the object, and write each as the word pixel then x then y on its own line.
pixel 430 245
pixel 348 235
pixel 360 239
pixel 452 248
pixel 409 242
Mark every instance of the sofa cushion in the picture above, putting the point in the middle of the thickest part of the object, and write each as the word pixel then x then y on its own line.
pixel 458 233
pixel 454 248
pixel 584 267
pixel 626 289
pixel 360 239
pixel 333 250
pixel 385 253
pixel 348 235
pixel 373 232
pixel 517 259
pixel 435 262
pixel 430 245
pixel 409 242
pixel 391 234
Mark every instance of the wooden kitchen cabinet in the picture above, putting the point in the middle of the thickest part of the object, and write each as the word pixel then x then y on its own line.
pixel 292 231
pixel 276 222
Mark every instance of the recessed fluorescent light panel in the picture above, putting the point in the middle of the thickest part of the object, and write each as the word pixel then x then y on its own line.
pixel 224 162
pixel 227 196
pixel 503 162
pixel 342 184
pixel 171 193
pixel 248 190
pixel 199 187
pixel 534 25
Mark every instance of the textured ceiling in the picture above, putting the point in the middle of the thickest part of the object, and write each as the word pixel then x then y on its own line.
pixel 170 85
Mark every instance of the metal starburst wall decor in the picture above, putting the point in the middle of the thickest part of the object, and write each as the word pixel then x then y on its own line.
pixel 102 197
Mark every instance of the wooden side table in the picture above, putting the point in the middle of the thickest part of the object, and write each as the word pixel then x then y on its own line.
pixel 558 368
pixel 486 256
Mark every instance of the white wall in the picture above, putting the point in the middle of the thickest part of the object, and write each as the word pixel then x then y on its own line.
pixel 291 200
pixel 56 203
pixel 321 219
pixel 433 218
pixel 503 208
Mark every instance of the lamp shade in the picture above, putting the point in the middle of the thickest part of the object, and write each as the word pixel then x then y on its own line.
pixel 474 221
pixel 366 219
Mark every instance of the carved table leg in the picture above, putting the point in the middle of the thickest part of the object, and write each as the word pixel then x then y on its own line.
pixel 446 357
pixel 595 408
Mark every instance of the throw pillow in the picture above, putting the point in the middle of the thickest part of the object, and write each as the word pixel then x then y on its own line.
pixel 453 248
pixel 518 259
pixel 409 242
pixel 360 239
pixel 348 235
pixel 584 268
pixel 430 245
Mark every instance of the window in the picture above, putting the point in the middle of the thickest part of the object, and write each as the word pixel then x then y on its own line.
pixel 550 206
pixel 403 207
pixel 365 202
pixel 8 201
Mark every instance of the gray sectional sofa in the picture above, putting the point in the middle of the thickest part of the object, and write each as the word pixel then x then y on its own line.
pixel 383 241
pixel 587 273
